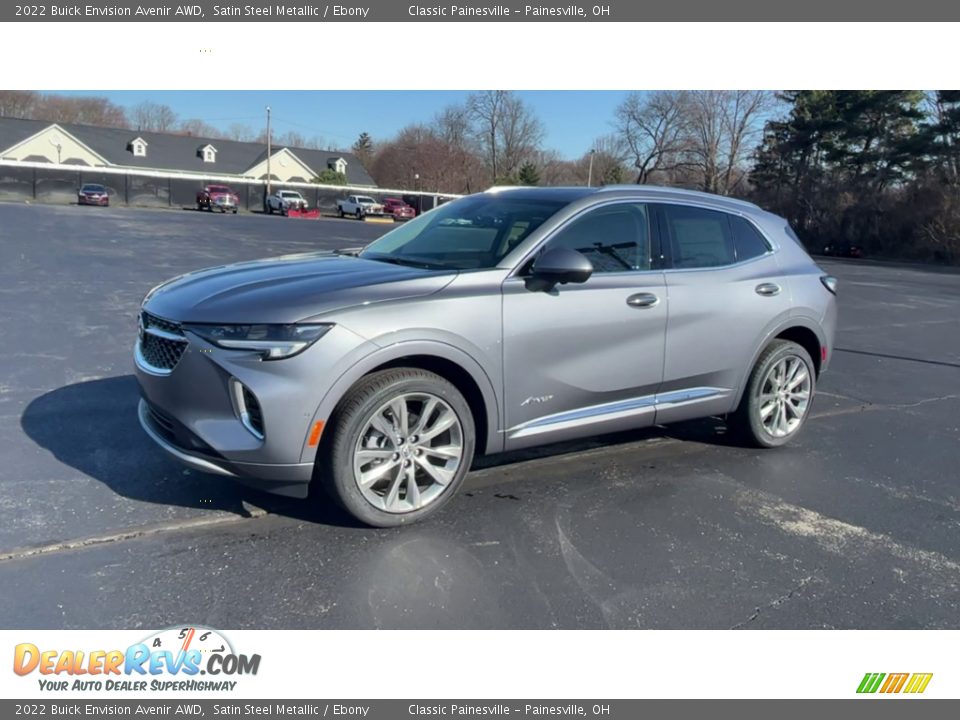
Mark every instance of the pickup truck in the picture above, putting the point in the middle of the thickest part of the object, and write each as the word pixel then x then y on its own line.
pixel 282 201
pixel 217 197
pixel 398 209
pixel 359 206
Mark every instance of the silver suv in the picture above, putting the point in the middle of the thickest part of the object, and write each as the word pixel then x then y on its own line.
pixel 502 320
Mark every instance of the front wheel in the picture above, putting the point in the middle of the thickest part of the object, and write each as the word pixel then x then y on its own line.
pixel 359 214
pixel 776 402
pixel 401 443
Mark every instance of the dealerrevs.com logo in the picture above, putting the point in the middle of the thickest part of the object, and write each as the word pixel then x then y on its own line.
pixel 890 683
pixel 172 659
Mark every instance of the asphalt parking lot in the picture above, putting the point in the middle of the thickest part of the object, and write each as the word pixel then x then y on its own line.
pixel 857 525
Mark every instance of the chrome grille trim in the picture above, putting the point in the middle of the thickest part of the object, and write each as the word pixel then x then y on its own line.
pixel 160 344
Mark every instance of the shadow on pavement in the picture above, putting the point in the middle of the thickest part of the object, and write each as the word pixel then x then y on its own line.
pixel 93 427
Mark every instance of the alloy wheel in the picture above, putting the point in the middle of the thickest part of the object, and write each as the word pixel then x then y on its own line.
pixel 785 396
pixel 408 452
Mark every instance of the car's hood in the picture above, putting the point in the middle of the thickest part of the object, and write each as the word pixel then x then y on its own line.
pixel 288 289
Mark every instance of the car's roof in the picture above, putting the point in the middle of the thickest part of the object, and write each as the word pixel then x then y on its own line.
pixel 647 192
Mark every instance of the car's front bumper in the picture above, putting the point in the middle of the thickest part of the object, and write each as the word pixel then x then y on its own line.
pixel 291 480
pixel 192 410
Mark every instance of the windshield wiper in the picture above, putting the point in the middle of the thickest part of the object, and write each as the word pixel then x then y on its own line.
pixel 408 262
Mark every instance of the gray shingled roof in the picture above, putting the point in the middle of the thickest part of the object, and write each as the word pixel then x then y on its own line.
pixel 178 152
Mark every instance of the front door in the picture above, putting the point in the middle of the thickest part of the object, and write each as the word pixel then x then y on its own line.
pixel 587 358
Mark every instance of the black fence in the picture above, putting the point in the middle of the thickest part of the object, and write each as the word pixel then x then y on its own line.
pixel 60 185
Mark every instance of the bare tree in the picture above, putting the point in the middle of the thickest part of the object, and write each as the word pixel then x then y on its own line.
pixel 18 103
pixel 653 129
pixel 240 132
pixel 507 130
pixel 198 128
pixel 723 128
pixel 153 117
pixel 81 110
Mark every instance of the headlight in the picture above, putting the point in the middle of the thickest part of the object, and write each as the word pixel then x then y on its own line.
pixel 273 342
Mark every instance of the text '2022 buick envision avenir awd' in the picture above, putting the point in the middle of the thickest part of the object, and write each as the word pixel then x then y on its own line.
pixel 502 320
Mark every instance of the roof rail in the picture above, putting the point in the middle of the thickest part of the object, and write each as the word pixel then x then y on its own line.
pixel 666 190
pixel 498 188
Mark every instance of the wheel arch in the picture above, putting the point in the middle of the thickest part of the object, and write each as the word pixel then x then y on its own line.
pixel 800 330
pixel 448 362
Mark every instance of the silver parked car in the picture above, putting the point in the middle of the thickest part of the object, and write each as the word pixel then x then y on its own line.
pixel 506 319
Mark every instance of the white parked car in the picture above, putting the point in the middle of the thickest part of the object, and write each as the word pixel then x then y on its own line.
pixel 282 201
pixel 359 206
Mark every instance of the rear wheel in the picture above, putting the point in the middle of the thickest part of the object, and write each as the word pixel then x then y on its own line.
pixel 776 402
pixel 401 443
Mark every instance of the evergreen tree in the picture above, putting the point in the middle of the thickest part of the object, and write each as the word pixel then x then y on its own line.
pixel 528 175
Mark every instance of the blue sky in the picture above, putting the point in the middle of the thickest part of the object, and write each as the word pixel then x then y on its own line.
pixel 573 118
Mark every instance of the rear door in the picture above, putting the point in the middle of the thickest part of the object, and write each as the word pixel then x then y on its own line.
pixel 725 289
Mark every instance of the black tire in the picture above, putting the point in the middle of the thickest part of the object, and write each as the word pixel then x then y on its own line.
pixel 359 214
pixel 269 209
pixel 340 212
pixel 335 457
pixel 746 424
pixel 234 211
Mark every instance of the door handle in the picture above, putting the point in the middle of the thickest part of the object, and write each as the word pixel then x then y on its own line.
pixel 768 289
pixel 642 300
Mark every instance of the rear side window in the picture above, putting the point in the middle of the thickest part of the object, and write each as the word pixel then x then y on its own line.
pixel 698 238
pixel 747 240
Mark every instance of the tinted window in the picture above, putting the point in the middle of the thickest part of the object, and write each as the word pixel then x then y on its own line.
pixel 615 238
pixel 698 238
pixel 470 233
pixel 747 240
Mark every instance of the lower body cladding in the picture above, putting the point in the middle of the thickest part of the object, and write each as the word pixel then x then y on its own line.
pixel 229 413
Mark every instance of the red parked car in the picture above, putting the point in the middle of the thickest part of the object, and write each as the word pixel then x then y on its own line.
pixel 217 197
pixel 398 209
pixel 93 194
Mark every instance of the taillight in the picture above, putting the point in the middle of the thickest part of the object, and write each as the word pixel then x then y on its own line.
pixel 829 282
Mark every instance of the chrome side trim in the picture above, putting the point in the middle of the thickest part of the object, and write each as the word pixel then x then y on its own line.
pixel 614 411
pixel 189 460
pixel 682 397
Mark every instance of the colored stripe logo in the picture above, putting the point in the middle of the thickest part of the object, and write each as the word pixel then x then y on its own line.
pixel 913 683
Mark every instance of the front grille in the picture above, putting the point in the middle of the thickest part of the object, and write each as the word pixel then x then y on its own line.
pixel 254 414
pixel 161 342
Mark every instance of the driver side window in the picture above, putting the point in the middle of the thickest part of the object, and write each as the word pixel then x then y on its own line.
pixel 614 238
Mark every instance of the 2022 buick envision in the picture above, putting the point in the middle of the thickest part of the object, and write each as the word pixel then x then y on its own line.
pixel 506 319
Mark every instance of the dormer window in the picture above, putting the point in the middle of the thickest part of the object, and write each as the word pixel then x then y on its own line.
pixel 208 153
pixel 338 165
pixel 138 146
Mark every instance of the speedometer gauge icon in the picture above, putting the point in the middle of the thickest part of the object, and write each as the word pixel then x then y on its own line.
pixel 183 638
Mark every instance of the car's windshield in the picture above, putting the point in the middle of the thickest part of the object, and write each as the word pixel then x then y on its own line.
pixel 472 233
pixel 290 194
pixel 218 188
pixel 93 188
pixel 365 199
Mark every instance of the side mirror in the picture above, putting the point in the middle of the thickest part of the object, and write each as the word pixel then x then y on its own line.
pixel 560 265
